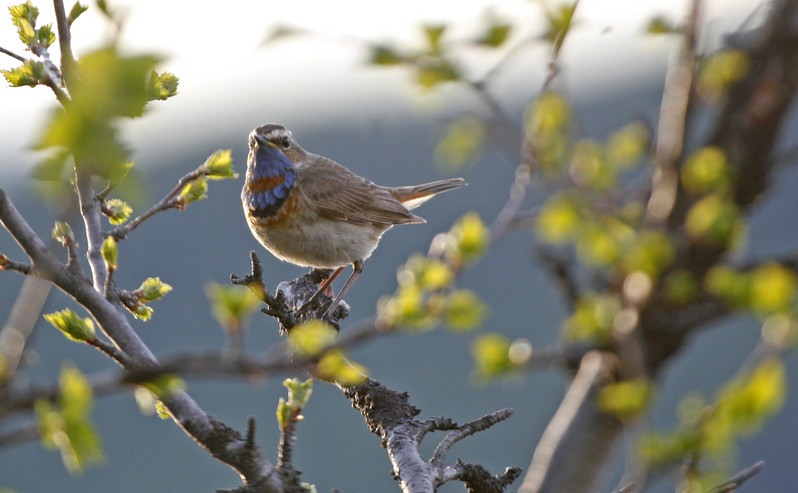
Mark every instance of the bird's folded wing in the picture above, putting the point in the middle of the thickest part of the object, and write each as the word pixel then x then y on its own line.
pixel 337 193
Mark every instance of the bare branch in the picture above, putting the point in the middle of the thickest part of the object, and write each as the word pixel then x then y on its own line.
pixel 20 323
pixel 465 430
pixel 29 432
pixel 735 482
pixel 390 416
pixel 169 201
pixel 578 440
pixel 676 101
pixel 12 54
pixel 8 264
pixel 64 35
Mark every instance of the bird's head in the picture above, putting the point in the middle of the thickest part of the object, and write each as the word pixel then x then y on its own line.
pixel 271 168
pixel 275 140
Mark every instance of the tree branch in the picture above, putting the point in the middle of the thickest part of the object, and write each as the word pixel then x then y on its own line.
pixel 578 440
pixel 390 416
pixel 169 201
pixel 220 440
pixel 12 54
pixel 734 483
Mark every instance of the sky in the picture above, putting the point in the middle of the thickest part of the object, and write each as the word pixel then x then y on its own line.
pixel 224 65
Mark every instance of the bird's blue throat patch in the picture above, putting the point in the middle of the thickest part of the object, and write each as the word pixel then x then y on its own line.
pixel 270 178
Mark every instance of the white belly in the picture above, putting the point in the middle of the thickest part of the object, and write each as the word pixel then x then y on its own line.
pixel 324 244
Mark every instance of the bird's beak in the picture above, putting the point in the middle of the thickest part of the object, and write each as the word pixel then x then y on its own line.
pixel 259 139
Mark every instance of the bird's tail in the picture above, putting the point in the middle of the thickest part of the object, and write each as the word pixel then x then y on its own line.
pixel 413 196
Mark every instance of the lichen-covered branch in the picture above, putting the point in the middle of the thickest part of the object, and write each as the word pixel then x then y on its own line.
pixel 390 416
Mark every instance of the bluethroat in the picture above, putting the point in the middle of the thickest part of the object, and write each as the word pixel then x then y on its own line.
pixel 311 211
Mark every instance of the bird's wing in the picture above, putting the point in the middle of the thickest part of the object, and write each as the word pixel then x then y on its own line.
pixel 337 193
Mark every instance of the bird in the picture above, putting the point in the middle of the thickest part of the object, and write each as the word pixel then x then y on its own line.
pixel 311 211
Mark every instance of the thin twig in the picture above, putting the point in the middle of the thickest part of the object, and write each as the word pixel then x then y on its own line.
pixel 465 430
pixel 169 201
pixel 64 35
pixel 13 55
pixel 735 482
pixel 8 264
pixel 29 432
pixel 112 351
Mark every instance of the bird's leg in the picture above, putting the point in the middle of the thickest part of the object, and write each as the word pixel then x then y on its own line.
pixel 322 288
pixel 357 269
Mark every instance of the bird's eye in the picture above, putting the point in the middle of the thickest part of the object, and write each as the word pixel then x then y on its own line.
pixel 285 142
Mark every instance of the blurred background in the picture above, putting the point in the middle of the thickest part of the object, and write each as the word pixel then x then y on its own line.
pixel 382 126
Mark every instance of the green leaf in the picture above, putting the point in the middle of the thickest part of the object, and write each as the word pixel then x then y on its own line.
pixel 219 165
pixel 715 220
pixel 24 18
pixel 113 84
pixel 165 385
pixel 720 71
pixel 462 143
pixel 496 34
pixel 75 12
pixel 560 20
pixel 651 252
pixel 45 35
pixel 283 413
pixel 196 190
pixel 142 312
pixel 598 244
pixel 312 337
pixel 660 25
pixel 628 145
pixel 232 306
pixel 464 310
pixel 67 426
pixel 334 365
pixel 560 220
pixel 550 113
pixel 706 171
pixel 72 326
pixel 110 253
pixel 732 286
pixel 298 392
pixel 588 167
pixel 773 288
pixel 152 289
pixel 471 238
pixel 162 411
pixel 752 399
pixel 435 275
pixel 626 400
pixel 592 319
pixel 119 211
pixel 491 355
pixel 162 86
pixel 75 393
pixel 62 232
pixel 433 34
pixel 406 307
pixel 104 87
pixel 24 12
pixel 30 74
pixel 281 32
pixel 384 55
pixel 433 71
